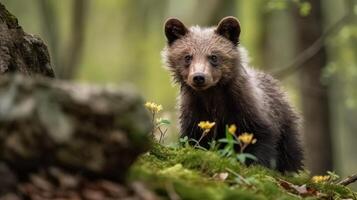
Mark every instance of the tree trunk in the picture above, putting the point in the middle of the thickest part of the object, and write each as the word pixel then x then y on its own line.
pixel 315 94
pixel 66 57
pixel 19 51
pixel 71 57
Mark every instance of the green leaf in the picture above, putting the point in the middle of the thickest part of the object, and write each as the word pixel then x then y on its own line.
pixel 241 158
pixel 223 140
pixel 164 121
pixel 202 148
pixel 333 175
pixel 226 152
pixel 183 140
pixel 250 156
pixel 213 145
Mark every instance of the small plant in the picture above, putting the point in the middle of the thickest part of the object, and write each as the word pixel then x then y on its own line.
pixel 157 122
pixel 184 142
pixel 206 127
pixel 239 179
pixel 329 178
pixel 231 140
pixel 333 175
pixel 243 140
pixel 320 179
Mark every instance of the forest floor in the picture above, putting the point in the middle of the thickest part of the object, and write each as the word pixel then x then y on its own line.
pixel 183 172
pixel 65 141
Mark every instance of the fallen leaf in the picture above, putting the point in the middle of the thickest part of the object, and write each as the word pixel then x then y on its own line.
pixel 221 176
pixel 302 190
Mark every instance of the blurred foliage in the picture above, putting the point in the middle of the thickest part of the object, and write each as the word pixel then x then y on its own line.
pixel 124 38
pixel 304 7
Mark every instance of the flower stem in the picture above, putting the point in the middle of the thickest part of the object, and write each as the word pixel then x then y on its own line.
pixel 154 125
pixel 162 133
pixel 242 147
pixel 199 140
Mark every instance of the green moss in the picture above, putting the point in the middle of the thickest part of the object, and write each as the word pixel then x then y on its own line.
pixel 189 173
pixel 336 191
pixel 9 18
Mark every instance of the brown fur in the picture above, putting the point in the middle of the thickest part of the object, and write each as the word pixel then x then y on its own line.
pixel 232 93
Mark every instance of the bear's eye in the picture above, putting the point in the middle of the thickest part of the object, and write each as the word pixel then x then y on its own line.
pixel 188 59
pixel 213 59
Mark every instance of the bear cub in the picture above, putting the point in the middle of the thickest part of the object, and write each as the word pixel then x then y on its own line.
pixel 218 85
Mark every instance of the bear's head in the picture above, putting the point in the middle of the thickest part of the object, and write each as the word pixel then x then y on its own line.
pixel 201 58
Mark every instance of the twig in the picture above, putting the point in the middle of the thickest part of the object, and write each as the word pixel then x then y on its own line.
pixel 312 50
pixel 348 180
pixel 238 175
pixel 162 134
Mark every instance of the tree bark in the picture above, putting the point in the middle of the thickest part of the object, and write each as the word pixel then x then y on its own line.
pixel 19 51
pixel 315 94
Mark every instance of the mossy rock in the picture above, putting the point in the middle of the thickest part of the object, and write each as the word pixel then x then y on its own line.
pixel 19 51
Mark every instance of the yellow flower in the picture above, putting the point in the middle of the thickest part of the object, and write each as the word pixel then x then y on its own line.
pixel 148 105
pixel 206 126
pixel 159 108
pixel 319 179
pixel 247 138
pixel 232 129
pixel 153 107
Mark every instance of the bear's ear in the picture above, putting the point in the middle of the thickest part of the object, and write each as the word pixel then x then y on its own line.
pixel 174 29
pixel 229 27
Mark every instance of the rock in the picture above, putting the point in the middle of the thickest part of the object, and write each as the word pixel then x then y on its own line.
pixel 61 140
pixel 19 51
pixel 8 179
pixel 47 184
pixel 93 130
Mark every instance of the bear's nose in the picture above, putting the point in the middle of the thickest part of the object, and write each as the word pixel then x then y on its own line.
pixel 199 79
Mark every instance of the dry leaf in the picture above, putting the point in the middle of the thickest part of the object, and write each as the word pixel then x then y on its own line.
pixel 302 190
pixel 221 176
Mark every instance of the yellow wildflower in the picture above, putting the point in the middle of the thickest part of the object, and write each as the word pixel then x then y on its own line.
pixel 206 126
pixel 232 129
pixel 319 179
pixel 247 138
pixel 148 105
pixel 159 108
pixel 153 107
